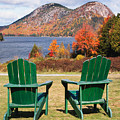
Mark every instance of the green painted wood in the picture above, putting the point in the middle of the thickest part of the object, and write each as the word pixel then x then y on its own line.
pixel 21 91
pixel 66 96
pixel 109 113
pixel 107 69
pixel 92 85
pixel 107 98
pixel 106 81
pixel 33 78
pixel 8 104
pixel 92 92
pixel 15 95
pixel 97 68
pixel 84 70
pixel 102 69
pixel 75 106
pixel 27 72
pixel 89 91
pixel 91 69
pixel 85 92
pixel 10 73
pixel 21 71
pixel 41 104
pixel 46 107
pixel 36 101
pixel 80 92
pixel 33 73
pixel 15 72
pixel 5 116
pixel 23 85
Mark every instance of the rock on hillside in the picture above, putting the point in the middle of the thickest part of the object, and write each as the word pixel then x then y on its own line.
pixel 47 13
pixel 56 20
pixel 96 8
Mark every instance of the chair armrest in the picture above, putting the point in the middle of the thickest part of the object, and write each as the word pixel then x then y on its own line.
pixel 68 81
pixel 46 83
pixel 107 81
pixel 9 85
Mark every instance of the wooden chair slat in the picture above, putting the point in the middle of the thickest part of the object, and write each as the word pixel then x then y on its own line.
pixel 107 69
pixel 91 87
pixel 27 71
pixel 23 86
pixel 33 73
pixel 10 73
pixel 102 69
pixel 21 71
pixel 84 71
pixel 97 68
pixel 91 69
pixel 15 72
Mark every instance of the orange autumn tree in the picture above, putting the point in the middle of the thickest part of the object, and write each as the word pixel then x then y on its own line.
pixel 53 48
pixel 86 40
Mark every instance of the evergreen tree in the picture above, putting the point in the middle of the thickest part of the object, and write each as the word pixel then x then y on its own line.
pixel 36 51
pixel 115 37
pixel 109 37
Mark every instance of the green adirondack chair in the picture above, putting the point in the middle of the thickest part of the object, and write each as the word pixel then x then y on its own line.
pixel 91 86
pixel 24 89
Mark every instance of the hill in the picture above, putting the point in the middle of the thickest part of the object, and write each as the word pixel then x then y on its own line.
pixel 56 20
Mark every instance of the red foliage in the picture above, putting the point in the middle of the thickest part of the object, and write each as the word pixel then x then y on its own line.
pixel 51 54
pixel 86 39
pixel 68 65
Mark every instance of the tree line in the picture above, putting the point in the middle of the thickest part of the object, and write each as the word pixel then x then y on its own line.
pixel 88 42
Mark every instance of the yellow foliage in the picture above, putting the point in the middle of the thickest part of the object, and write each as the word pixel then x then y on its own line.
pixel 53 46
pixel 79 57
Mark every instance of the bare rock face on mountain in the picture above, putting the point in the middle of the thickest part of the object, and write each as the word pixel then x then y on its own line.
pixel 56 20
pixel 94 8
pixel 48 13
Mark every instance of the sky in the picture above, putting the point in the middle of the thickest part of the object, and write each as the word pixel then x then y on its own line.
pixel 12 10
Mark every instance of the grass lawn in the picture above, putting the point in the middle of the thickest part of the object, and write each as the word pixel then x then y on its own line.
pixel 56 101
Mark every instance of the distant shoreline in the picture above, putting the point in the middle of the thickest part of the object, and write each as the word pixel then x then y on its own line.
pixel 42 36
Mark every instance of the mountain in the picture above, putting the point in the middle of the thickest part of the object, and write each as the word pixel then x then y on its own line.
pixel 56 20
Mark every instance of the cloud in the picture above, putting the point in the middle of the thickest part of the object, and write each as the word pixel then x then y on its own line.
pixel 28 3
pixel 12 10
pixel 70 4
pixel 114 6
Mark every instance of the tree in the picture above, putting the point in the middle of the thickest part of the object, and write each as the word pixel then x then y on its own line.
pixel 67 52
pixel 61 51
pixel 53 47
pixel 35 52
pixel 86 40
pixel 115 37
pixel 109 36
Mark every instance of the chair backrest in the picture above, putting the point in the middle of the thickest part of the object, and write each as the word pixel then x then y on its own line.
pixel 22 72
pixel 95 69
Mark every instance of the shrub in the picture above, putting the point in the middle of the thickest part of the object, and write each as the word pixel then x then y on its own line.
pixel 79 57
pixel 35 52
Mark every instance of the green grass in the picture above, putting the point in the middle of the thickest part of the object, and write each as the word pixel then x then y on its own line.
pixel 56 101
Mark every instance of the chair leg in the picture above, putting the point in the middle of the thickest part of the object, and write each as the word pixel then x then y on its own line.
pixel 95 106
pixel 46 110
pixel 8 113
pixel 16 110
pixel 66 103
pixel 108 111
pixel 105 104
pixel 66 98
pixel 76 108
pixel 37 113
pixel 5 116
